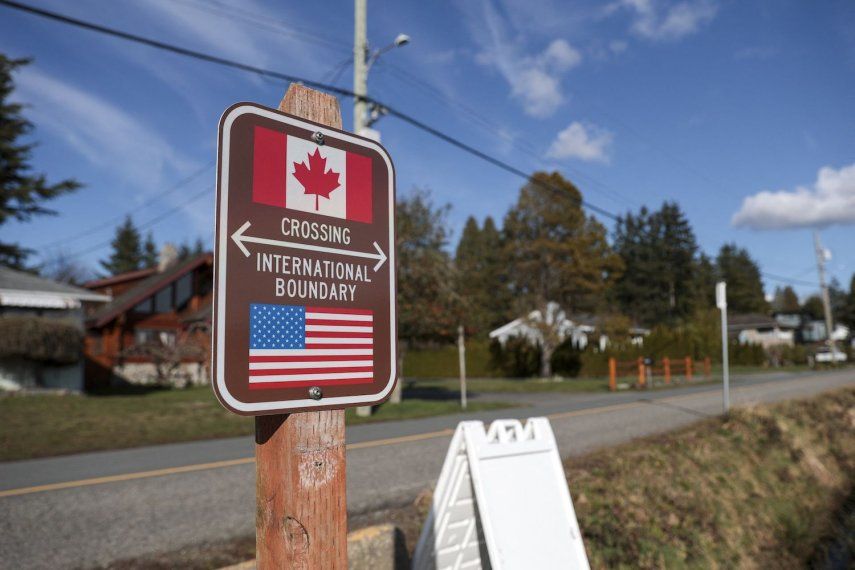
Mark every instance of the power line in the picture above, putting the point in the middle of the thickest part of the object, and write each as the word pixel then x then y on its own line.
pixel 790 280
pixel 105 224
pixel 264 22
pixel 295 79
pixel 157 219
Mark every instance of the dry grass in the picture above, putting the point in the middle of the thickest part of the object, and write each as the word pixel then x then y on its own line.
pixel 756 490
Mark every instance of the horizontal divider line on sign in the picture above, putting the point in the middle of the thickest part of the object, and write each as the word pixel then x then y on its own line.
pixel 317 371
pixel 318 364
pixel 327 342
pixel 333 310
pixel 310 358
pixel 338 323
pixel 327 318
pixel 327 350
pixel 259 376
pixel 368 329
pixel 327 334
pixel 302 384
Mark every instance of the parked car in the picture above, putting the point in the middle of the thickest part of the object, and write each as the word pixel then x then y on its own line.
pixel 827 355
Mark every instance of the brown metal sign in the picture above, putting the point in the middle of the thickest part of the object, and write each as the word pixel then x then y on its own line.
pixel 304 286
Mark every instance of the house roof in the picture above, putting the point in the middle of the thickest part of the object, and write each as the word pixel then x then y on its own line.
pixel 750 321
pixel 21 289
pixel 120 278
pixel 146 288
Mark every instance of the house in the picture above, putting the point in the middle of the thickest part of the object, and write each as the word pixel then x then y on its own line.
pixel 25 300
pixel 755 328
pixel 815 331
pixel 580 329
pixel 157 328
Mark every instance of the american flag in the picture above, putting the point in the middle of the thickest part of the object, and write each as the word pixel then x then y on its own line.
pixel 293 346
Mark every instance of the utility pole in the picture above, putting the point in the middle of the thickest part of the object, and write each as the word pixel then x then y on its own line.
pixel 461 354
pixel 721 303
pixel 360 64
pixel 826 302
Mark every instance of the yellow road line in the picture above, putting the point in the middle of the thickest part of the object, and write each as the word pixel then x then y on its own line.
pixel 201 466
pixel 125 477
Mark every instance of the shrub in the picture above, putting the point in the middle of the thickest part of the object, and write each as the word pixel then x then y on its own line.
pixel 39 339
pixel 516 359
pixel 567 360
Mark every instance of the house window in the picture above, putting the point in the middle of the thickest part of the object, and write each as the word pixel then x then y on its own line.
pixel 163 300
pixel 154 336
pixel 183 290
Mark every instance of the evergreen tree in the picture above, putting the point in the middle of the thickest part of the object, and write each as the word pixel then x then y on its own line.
pixel 149 254
pixel 481 284
pixel 813 308
pixel 658 250
pixel 705 280
pixel 785 300
pixel 555 254
pixel 127 254
pixel 742 274
pixel 22 192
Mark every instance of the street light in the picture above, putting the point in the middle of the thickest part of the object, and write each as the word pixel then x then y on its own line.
pixel 363 58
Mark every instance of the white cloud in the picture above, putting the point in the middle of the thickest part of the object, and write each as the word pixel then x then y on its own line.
pixel 831 200
pixel 583 141
pixel 101 133
pixel 534 78
pixel 656 21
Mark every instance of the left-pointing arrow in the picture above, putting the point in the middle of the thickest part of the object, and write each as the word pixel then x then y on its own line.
pixel 240 239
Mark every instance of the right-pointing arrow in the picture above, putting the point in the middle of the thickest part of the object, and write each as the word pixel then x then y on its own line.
pixel 240 239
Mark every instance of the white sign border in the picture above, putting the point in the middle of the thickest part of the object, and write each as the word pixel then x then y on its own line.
pixel 222 243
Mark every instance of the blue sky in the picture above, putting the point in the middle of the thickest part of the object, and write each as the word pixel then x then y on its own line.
pixel 740 111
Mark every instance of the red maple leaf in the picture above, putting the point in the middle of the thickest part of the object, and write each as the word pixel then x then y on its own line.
pixel 315 177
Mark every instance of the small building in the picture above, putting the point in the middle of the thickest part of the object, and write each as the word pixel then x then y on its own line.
pixel 581 329
pixel 155 330
pixel 31 302
pixel 755 328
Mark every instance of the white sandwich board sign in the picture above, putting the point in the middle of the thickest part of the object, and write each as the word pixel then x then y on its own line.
pixel 501 502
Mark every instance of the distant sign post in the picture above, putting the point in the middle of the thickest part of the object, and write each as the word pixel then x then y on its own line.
pixel 721 303
pixel 304 309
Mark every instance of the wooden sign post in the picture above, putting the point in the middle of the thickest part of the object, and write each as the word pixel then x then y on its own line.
pixel 301 504
pixel 304 321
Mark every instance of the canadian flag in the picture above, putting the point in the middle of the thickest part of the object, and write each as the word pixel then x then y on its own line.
pixel 298 174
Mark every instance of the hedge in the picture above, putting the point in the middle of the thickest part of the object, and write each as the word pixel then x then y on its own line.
pixel 39 339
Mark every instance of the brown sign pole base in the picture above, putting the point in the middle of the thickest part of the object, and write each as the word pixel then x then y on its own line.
pixel 301 503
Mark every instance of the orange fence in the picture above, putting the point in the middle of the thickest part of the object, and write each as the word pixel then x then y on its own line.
pixel 646 372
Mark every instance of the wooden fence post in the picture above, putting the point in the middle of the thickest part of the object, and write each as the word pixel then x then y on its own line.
pixel 707 367
pixel 612 374
pixel 301 506
pixel 688 368
pixel 642 377
pixel 666 364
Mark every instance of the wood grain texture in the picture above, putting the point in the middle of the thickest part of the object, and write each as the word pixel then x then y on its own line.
pixel 301 505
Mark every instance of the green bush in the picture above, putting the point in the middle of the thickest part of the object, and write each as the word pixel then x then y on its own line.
pixel 41 340
pixel 567 360
pixel 516 359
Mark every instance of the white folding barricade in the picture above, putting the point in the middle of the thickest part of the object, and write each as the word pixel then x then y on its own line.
pixel 501 502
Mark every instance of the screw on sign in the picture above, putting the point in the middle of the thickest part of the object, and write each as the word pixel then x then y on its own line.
pixel 304 308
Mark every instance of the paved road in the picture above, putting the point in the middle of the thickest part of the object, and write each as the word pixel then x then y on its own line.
pixel 90 509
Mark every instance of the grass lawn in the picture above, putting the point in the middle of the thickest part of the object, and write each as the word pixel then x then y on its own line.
pixel 46 425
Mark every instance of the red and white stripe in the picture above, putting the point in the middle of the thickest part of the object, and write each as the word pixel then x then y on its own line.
pixel 339 351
